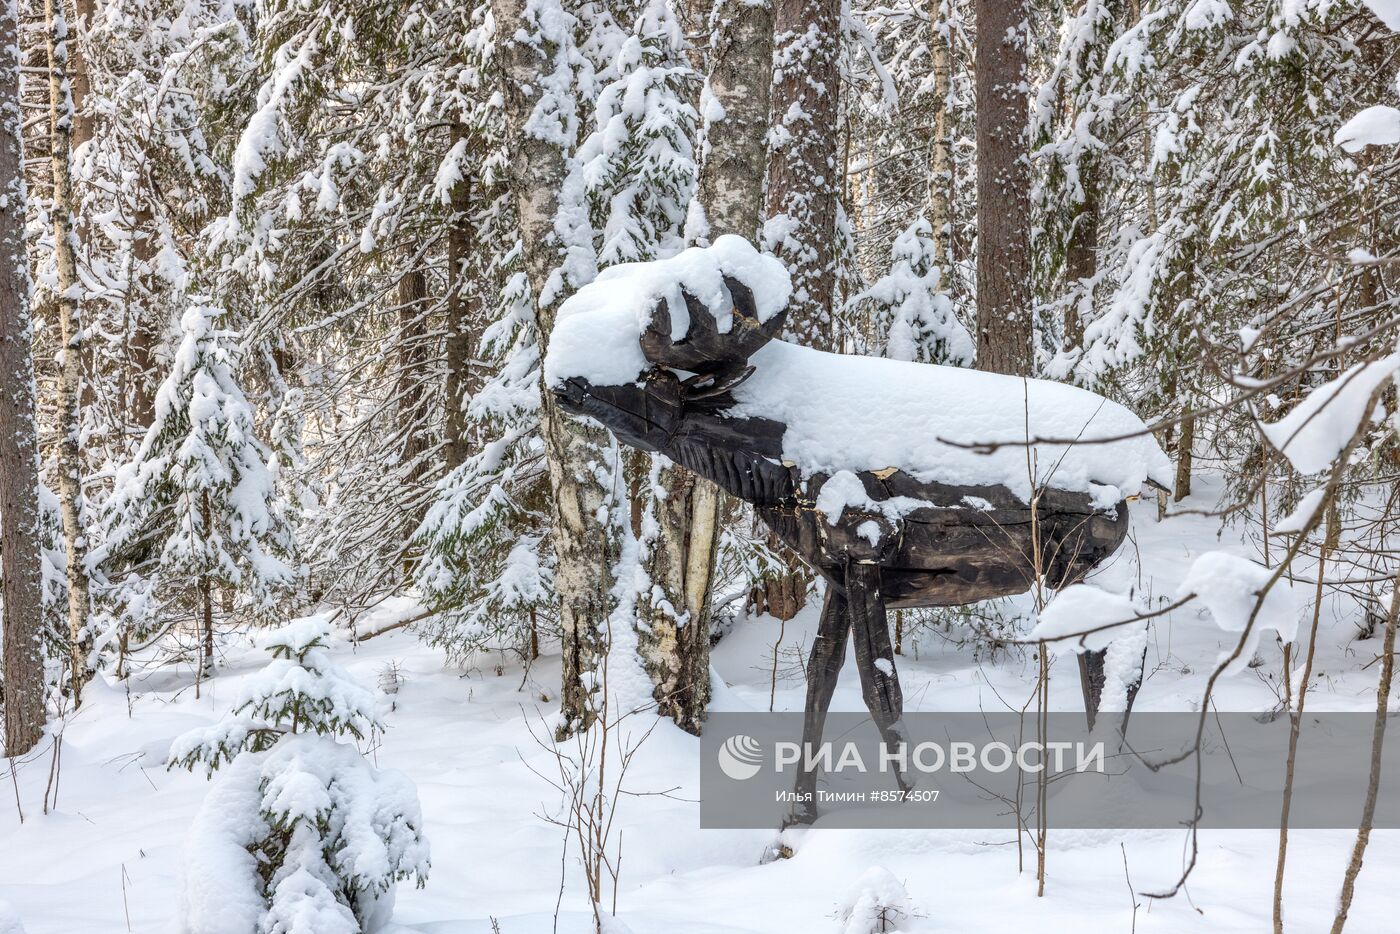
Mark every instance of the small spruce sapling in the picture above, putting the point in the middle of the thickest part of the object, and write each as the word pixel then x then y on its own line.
pixel 300 834
pixel 198 505
pixel 910 307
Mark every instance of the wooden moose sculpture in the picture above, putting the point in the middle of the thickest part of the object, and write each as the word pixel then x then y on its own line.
pixel 889 478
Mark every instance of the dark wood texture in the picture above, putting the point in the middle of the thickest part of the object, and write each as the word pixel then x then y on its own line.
pixel 947 553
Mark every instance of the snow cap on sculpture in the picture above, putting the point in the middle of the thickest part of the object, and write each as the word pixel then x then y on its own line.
pixel 711 316
pixel 602 328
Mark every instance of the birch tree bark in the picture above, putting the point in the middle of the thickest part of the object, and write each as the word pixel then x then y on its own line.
pixel 675 645
pixel 736 130
pixel 940 170
pixel 20 561
pixel 1003 184
pixel 70 327
pixel 542 127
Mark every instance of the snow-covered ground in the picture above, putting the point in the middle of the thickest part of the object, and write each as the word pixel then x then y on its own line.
pixel 107 856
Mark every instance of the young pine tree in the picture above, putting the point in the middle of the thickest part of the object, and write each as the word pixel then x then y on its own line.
pixel 300 835
pixel 198 505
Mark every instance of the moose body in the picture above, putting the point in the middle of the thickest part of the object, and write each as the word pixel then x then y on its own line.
pixel 881 533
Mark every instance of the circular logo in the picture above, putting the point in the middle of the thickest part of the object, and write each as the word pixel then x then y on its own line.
pixel 740 757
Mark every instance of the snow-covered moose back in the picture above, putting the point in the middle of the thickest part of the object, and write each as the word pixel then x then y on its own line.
pixel 883 475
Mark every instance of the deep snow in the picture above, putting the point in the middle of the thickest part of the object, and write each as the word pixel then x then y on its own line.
pixel 110 850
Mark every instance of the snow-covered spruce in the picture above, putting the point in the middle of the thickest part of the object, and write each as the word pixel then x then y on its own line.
pixel 198 505
pixel 299 833
pixel 912 314
pixel 638 164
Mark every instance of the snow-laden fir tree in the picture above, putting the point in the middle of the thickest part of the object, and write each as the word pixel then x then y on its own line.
pixel 198 507
pixel 638 164
pixel 145 184
pixel 485 565
pixel 299 834
pixel 912 317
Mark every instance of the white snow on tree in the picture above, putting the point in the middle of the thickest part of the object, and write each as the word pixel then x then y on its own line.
pixel 486 565
pixel 638 164
pixel 912 314
pixel 198 505
pixel 299 834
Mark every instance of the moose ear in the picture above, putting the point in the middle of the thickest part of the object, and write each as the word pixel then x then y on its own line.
pixel 746 309
pixel 704 349
pixel 742 295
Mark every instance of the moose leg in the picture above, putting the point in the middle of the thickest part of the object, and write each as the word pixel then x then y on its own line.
pixel 1091 678
pixel 870 632
pixel 823 668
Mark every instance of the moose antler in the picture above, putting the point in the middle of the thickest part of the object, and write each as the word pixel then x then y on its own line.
pixel 720 359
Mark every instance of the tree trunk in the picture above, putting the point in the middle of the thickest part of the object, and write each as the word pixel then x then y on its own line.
pixel 803 169
pixel 803 186
pixel 741 79
pixel 85 11
pixel 206 600
pixel 675 643
pixel 940 170
pixel 20 556
pixel 1082 247
pixel 676 646
pixel 414 356
pixel 1184 446
pixel 70 375
pixel 142 381
pixel 1082 252
pixel 584 544
pixel 1003 182
pixel 462 319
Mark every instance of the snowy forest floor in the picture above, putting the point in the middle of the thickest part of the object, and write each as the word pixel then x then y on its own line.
pixel 107 856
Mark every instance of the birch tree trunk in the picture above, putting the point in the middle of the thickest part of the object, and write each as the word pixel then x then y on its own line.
pixel 20 560
pixel 585 546
pixel 804 172
pixel 70 327
pixel 1003 183
pixel 736 144
pixel 940 174
pixel 675 646
pixel 675 642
